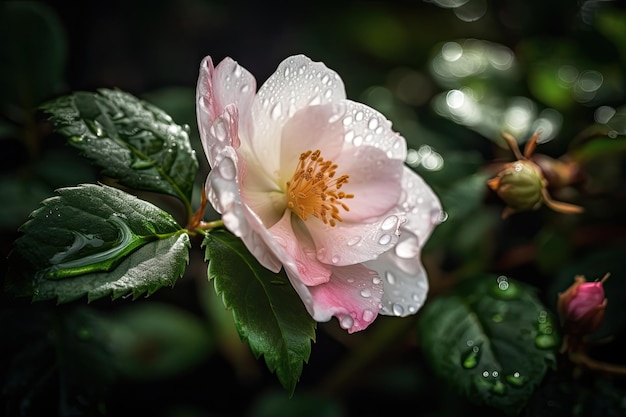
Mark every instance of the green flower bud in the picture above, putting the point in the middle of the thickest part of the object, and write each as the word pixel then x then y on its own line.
pixel 520 185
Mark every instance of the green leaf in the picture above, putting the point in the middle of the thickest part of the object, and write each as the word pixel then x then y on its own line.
pixel 491 339
pixel 96 240
pixel 133 141
pixel 268 313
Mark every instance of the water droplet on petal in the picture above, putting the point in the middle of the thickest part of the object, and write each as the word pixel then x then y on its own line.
pixel 315 100
pixel 218 130
pixel 358 116
pixel 391 279
pixel 368 315
pixel 389 223
pixel 366 293
pixel 373 123
pixel 346 322
pixel 408 248
pixel 335 259
pixel 227 169
pixel 277 111
pixel 384 239
pixel 376 280
pixel 245 88
pixel 353 241
pixel 397 309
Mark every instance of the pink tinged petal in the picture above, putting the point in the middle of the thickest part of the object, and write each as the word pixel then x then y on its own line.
pixel 312 128
pixel 352 243
pixel 372 224
pixel 227 84
pixel 352 295
pixel 421 205
pixel 224 193
pixel 404 278
pixel 297 83
pixel 375 182
pixel 300 249
pixel 365 126
pixel 221 133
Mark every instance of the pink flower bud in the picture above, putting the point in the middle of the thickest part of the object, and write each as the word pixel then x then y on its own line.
pixel 581 307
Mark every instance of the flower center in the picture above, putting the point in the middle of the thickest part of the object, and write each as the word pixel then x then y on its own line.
pixel 314 190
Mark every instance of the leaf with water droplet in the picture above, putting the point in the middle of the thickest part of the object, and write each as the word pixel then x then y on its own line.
pixel 133 141
pixel 96 240
pixel 270 317
pixel 483 340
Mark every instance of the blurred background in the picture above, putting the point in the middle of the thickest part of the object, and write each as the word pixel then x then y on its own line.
pixel 450 74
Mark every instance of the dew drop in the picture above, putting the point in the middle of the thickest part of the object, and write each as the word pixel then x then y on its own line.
pixel 335 259
pixel 515 379
pixel 368 315
pixel 366 293
pixel 384 239
pixel 325 79
pixel 245 88
pixel 346 322
pixel 276 111
pixel 373 123
pixel 439 216
pixel 353 240
pixel 358 116
pixel 470 359
pixel 218 130
pixel 376 280
pixel 347 121
pixel 227 169
pixel 389 223
pixel 546 341
pixel 315 100
pixel 397 309
pixel 391 279
pixel 408 248
pixel 328 93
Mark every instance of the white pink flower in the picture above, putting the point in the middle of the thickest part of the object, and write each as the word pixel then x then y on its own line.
pixel 316 184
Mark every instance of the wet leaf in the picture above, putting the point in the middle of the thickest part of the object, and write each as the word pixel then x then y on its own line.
pixel 133 141
pixel 96 240
pixel 268 313
pixel 491 339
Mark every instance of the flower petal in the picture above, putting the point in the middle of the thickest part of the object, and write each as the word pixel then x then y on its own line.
pixel 352 295
pixel 301 249
pixel 404 277
pixel 421 205
pixel 311 128
pixel 353 243
pixel 297 83
pixel 405 280
pixel 375 182
pixel 224 193
pixel 217 88
pixel 366 126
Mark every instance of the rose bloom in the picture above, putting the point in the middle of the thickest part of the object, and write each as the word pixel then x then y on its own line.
pixel 316 184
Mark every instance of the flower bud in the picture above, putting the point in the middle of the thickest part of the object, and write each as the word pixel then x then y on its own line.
pixel 520 185
pixel 581 307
